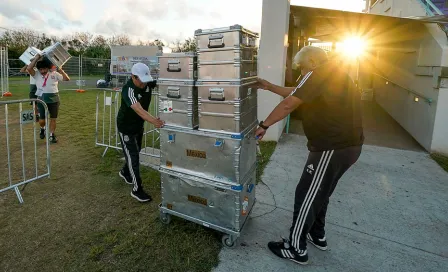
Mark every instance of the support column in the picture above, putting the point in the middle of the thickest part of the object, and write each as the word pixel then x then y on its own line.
pixel 439 139
pixel 272 59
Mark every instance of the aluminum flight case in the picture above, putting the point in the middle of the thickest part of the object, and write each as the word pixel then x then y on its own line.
pixel 228 54
pixel 228 106
pixel 178 103
pixel 57 54
pixel 215 205
pixel 226 158
pixel 29 54
pixel 232 36
pixel 178 66
pixel 227 70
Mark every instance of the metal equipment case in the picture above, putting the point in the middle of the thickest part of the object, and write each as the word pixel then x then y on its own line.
pixel 178 105
pixel 225 158
pixel 228 106
pixel 228 54
pixel 178 66
pixel 226 70
pixel 29 54
pixel 57 54
pixel 232 36
pixel 214 205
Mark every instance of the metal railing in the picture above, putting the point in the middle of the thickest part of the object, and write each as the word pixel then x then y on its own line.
pixel 17 153
pixel 431 8
pixel 4 71
pixel 108 103
pixel 426 99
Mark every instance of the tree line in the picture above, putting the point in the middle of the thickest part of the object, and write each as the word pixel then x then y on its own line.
pixel 81 43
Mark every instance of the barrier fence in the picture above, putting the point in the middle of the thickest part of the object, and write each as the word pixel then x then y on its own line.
pixel 84 73
pixel 4 71
pixel 24 158
pixel 108 103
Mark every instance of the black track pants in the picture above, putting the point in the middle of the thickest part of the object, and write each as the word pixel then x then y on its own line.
pixel 132 144
pixel 319 179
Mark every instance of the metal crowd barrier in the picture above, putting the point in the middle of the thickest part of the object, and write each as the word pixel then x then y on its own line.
pixel 35 160
pixel 108 103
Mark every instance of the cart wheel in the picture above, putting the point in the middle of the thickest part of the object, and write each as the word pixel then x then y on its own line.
pixel 228 241
pixel 165 218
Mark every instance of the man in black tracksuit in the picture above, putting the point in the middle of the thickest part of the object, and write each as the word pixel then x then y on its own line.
pixel 331 115
pixel 135 100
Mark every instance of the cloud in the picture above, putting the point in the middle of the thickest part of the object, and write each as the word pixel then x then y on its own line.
pixel 73 10
pixel 140 19
pixel 14 11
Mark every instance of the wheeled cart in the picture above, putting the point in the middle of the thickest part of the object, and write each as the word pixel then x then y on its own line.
pixel 221 206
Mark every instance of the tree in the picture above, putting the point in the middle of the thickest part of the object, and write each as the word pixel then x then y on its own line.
pixel 121 39
pixel 189 45
pixel 156 42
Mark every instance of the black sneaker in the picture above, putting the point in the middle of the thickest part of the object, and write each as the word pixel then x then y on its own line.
pixel 319 243
pixel 42 133
pixel 284 250
pixel 53 139
pixel 123 176
pixel 141 196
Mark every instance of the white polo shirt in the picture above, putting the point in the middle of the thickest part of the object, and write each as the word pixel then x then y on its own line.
pixel 47 84
pixel 32 80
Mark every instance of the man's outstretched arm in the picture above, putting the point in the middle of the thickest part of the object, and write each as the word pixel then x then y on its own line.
pixel 266 85
pixel 282 110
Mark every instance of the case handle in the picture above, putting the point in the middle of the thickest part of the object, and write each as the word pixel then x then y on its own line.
pixel 174 66
pixel 216 41
pixel 173 92
pixel 216 94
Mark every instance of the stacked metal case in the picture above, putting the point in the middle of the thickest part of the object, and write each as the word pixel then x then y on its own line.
pixel 178 96
pixel 208 174
pixel 227 65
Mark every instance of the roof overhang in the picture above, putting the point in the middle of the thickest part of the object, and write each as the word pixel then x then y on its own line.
pixel 335 25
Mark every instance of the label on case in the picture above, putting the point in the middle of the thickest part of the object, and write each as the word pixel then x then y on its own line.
pixel 196 154
pixel 197 199
pixel 169 164
pixel 245 205
pixel 167 106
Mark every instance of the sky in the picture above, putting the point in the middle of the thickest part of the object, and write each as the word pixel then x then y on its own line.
pixel 168 20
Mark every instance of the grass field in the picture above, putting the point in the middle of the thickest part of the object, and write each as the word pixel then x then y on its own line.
pixel 441 160
pixel 83 219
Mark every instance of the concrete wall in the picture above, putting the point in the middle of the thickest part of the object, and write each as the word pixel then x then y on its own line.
pixel 414 67
pixel 439 140
pixel 272 59
pixel 398 8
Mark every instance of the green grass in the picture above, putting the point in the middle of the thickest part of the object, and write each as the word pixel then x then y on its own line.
pixel 267 149
pixel 441 160
pixel 21 78
pixel 83 219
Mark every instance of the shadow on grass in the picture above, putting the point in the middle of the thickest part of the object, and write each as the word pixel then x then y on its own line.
pixel 83 218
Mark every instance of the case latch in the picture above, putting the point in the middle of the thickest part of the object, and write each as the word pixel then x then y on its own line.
pixel 219 143
pixel 171 138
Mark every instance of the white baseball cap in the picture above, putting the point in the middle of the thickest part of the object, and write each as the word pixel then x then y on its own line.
pixel 141 70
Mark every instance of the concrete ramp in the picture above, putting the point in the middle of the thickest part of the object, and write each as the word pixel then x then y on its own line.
pixel 388 213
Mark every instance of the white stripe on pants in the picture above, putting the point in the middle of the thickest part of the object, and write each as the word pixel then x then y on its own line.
pixel 309 198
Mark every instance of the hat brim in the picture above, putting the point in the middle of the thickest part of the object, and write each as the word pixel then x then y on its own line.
pixel 145 78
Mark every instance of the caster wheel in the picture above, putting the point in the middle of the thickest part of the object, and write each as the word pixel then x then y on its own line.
pixel 227 241
pixel 165 218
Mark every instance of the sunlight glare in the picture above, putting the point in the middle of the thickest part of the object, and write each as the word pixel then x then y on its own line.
pixel 353 46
